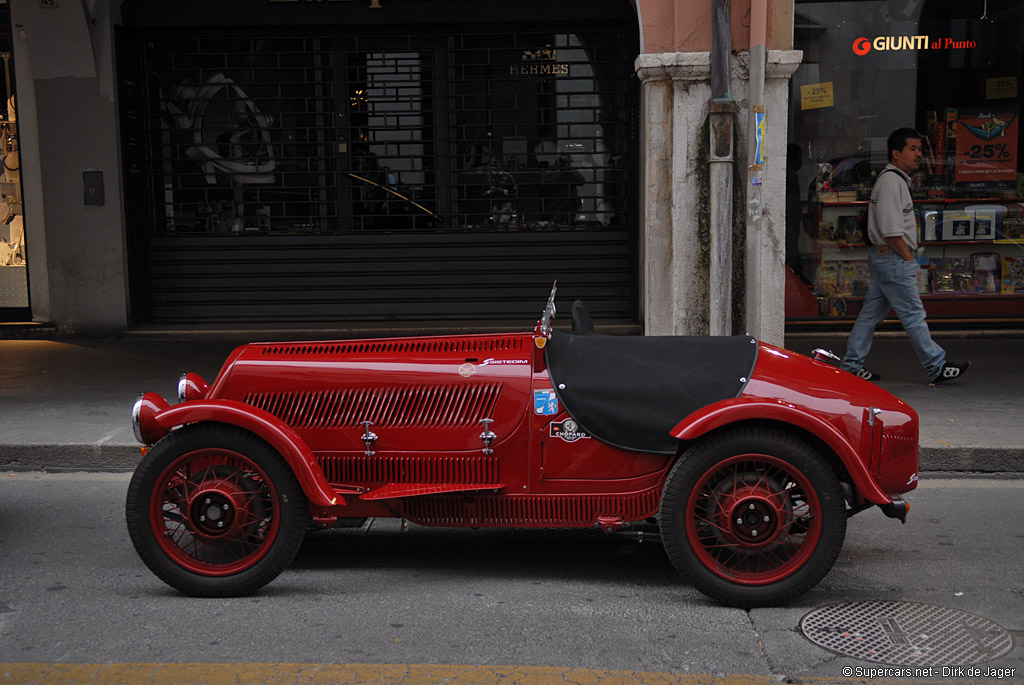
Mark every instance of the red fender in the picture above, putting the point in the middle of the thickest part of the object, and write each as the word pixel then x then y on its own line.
pixel 268 427
pixel 739 409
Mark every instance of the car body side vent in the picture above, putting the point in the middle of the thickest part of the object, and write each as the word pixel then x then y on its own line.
pixel 413 406
pixel 527 511
pixel 375 347
pixel 379 469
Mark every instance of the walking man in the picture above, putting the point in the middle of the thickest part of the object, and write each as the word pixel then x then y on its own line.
pixel 892 232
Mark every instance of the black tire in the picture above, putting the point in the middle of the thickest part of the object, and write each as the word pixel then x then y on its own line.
pixel 214 511
pixel 752 517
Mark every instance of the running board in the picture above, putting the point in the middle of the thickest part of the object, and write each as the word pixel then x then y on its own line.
pixel 401 490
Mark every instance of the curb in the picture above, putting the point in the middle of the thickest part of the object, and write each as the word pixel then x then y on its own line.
pixel 973 459
pixel 69 457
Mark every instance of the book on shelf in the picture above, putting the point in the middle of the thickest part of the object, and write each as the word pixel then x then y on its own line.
pixel 1013 275
pixel 957 225
pixel 984 227
pixel 950 275
pixel 930 226
pixel 842 278
pixel 986 219
pixel 1011 228
pixel 986 271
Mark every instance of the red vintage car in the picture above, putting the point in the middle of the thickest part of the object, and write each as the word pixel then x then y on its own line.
pixel 745 458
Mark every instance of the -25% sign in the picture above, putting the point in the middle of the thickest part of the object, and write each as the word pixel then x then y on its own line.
pixel 985 151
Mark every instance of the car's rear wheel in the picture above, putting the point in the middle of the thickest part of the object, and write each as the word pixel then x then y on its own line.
pixel 752 517
pixel 214 511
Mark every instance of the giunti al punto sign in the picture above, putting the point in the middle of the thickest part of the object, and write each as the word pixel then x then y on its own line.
pixel 862 46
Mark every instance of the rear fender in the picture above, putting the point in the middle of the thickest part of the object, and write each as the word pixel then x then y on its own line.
pixel 740 409
pixel 269 428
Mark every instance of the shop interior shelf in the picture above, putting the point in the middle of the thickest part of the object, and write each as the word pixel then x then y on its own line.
pixel 951 295
pixel 932 201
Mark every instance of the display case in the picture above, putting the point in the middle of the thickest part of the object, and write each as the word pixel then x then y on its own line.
pixel 971 256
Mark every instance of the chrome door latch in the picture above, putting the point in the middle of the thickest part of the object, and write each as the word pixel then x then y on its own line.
pixel 872 413
pixel 488 435
pixel 369 437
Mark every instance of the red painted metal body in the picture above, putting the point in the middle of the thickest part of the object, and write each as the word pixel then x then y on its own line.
pixel 878 449
pixel 399 427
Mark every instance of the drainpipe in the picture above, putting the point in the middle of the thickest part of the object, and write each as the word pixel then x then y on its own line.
pixel 722 114
pixel 757 126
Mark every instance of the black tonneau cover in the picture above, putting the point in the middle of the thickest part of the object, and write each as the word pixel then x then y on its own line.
pixel 630 391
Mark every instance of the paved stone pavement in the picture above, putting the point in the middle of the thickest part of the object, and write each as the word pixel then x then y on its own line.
pixel 65 403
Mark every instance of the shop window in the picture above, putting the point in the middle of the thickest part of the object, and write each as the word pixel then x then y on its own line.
pixel 334 134
pixel 952 70
pixel 14 297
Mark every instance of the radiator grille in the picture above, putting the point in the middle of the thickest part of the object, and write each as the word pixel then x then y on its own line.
pixel 896 447
pixel 530 510
pixel 415 406
pixel 380 469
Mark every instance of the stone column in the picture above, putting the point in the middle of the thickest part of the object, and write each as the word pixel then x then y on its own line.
pixel 764 305
pixel 674 221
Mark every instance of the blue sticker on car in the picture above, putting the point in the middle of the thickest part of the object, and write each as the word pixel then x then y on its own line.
pixel 545 402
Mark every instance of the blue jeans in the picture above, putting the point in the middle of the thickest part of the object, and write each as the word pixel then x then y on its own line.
pixel 893 285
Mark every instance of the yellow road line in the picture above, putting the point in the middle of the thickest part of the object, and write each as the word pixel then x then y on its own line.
pixel 357 674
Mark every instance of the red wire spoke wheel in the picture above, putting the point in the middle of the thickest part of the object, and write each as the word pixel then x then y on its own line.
pixel 753 517
pixel 214 511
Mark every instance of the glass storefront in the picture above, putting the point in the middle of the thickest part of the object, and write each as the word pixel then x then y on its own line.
pixel 951 70
pixel 14 302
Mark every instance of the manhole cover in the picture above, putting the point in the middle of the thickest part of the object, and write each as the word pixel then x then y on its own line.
pixel 906 633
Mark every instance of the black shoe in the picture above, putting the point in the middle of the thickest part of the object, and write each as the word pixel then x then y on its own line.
pixel 867 375
pixel 950 371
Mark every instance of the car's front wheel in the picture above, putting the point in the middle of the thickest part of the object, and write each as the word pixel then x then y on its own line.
pixel 752 517
pixel 214 511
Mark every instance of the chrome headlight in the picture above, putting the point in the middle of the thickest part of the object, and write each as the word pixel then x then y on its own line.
pixel 147 429
pixel 191 386
pixel 137 418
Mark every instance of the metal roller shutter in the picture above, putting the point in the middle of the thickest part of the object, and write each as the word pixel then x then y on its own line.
pixel 379 176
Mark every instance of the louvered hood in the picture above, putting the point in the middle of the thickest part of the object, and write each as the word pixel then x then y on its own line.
pixel 420 394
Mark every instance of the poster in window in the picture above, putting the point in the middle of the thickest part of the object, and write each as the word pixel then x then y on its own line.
pixel 986 148
pixel 1000 87
pixel 817 96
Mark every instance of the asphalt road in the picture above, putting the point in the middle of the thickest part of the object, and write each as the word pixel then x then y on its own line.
pixel 391 603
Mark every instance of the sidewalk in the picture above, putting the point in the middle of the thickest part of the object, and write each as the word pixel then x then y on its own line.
pixel 65 404
pixel 972 424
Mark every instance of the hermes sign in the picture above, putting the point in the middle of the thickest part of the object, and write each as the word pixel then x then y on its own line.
pixel 542 62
